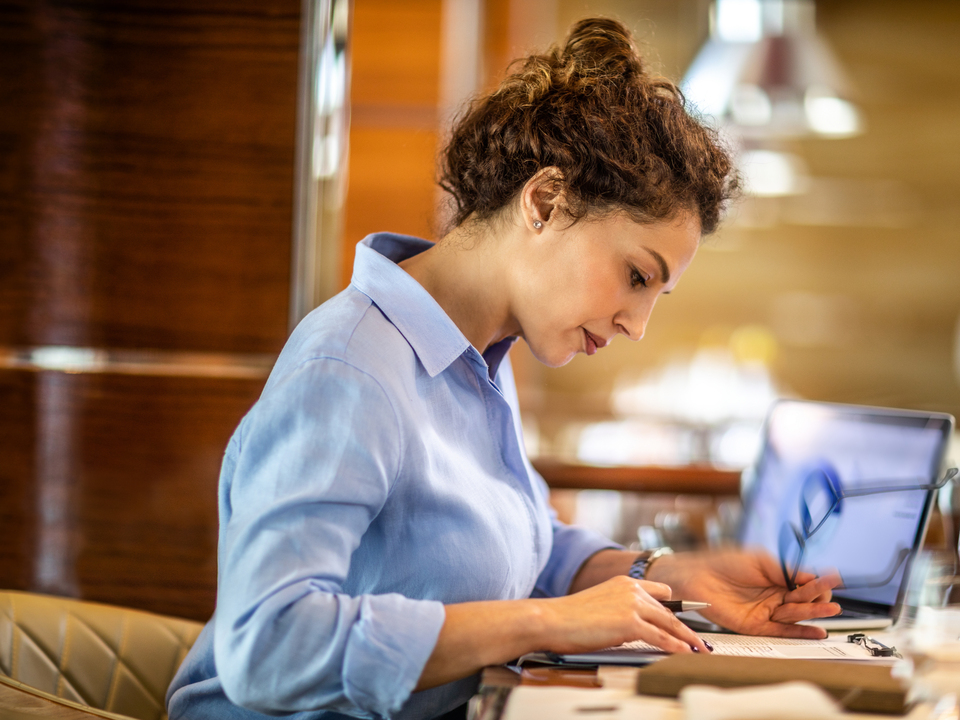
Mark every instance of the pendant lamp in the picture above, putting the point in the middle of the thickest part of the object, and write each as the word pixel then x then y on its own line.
pixel 766 74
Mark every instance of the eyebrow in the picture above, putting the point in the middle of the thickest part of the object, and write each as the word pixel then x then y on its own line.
pixel 664 270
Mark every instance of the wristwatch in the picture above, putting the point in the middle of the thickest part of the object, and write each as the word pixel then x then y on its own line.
pixel 644 560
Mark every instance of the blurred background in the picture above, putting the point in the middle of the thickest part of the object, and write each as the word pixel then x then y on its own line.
pixel 181 182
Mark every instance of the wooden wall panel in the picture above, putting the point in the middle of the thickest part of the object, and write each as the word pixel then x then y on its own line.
pixel 395 53
pixel 147 148
pixel 121 506
pixel 147 159
pixel 394 92
pixel 396 190
pixel 17 505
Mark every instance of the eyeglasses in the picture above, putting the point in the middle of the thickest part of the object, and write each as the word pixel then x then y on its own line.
pixel 821 501
pixel 873 646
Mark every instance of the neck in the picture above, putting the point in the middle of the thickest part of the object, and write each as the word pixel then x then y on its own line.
pixel 464 273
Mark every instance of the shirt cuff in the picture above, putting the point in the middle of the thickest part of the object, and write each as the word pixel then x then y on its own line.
pixel 387 650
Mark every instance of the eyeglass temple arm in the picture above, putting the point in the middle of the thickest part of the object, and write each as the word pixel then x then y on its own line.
pixel 877 490
pixel 876 582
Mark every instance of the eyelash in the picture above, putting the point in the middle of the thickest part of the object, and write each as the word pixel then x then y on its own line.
pixel 636 278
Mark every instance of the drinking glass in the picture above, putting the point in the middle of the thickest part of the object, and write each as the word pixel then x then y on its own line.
pixel 928 634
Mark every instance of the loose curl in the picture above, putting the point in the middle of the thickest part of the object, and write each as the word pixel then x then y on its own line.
pixel 621 138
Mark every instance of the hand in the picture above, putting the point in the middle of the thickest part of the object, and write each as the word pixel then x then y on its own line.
pixel 747 592
pixel 614 612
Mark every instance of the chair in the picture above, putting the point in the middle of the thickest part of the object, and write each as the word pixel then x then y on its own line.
pixel 106 657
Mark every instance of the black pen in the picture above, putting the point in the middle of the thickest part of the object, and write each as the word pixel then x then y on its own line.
pixel 676 606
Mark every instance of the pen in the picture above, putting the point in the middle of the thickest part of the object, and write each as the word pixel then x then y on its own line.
pixel 683 605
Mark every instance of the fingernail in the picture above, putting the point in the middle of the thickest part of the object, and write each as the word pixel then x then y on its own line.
pixel 695 648
pixel 709 646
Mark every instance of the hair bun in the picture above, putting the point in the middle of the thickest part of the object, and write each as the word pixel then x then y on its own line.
pixel 621 137
pixel 601 46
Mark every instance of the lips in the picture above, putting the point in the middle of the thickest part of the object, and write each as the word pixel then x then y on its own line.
pixel 592 343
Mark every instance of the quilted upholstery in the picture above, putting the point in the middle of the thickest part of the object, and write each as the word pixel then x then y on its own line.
pixel 107 657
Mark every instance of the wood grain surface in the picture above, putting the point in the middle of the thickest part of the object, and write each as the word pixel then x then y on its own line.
pixel 146 201
pixel 112 492
pixel 146 173
pixel 691 479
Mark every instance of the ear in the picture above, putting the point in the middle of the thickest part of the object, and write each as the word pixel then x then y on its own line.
pixel 542 198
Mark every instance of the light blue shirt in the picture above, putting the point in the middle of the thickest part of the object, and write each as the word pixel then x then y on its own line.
pixel 380 476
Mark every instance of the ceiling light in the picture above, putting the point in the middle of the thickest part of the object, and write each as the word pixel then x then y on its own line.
pixel 765 73
pixel 771 173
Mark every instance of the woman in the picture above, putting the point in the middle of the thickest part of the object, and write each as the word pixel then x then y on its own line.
pixel 382 535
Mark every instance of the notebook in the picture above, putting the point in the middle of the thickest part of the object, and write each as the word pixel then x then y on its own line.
pixel 826 494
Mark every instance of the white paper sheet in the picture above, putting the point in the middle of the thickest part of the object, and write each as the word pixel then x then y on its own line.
pixel 771 647
pixel 641 653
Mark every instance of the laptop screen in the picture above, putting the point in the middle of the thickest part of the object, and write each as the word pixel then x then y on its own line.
pixel 828 492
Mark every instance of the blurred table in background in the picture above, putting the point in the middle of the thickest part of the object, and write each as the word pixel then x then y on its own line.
pixel 690 479
pixel 686 507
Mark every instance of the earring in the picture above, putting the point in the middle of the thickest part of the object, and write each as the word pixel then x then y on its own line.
pixel 537 224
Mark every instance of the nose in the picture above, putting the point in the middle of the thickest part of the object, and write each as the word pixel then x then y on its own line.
pixel 634 331
pixel 632 320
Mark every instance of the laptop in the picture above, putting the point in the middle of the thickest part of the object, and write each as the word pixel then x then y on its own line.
pixel 838 488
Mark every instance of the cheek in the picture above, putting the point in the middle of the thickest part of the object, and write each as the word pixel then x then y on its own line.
pixel 589 287
pixel 569 290
pixel 599 298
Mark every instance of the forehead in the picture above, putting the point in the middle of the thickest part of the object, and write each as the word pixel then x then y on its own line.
pixel 675 240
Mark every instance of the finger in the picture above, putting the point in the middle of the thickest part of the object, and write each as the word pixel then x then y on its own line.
pixel 772 570
pixel 668 642
pixel 832 580
pixel 806 632
pixel 827 582
pixel 795 612
pixel 816 590
pixel 666 621
pixel 656 590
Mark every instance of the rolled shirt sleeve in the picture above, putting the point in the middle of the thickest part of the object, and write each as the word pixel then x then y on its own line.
pixel 310 473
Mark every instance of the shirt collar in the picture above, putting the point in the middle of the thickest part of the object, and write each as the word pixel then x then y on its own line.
pixel 434 337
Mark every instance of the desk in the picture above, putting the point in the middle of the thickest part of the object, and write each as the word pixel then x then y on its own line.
pixel 605 694
pixel 19 702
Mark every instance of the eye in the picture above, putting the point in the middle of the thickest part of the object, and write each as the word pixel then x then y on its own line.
pixel 636 278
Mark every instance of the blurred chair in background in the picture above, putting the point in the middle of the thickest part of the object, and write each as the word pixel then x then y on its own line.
pixel 103 656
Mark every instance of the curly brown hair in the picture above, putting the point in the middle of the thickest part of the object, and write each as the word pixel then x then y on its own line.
pixel 621 138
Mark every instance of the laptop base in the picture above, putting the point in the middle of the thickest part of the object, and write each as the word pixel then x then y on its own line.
pixel 849 623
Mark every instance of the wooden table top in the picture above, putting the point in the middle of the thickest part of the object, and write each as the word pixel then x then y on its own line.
pixel 20 702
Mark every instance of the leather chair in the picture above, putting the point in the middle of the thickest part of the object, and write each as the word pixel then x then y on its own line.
pixel 106 657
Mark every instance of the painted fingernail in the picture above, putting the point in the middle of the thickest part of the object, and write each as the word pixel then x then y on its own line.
pixel 709 646
pixel 695 648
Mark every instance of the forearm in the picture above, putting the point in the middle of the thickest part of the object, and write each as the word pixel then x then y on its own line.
pixel 478 634
pixel 475 635
pixel 600 567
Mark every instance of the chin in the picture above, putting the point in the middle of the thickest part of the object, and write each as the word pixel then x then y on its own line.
pixel 554 359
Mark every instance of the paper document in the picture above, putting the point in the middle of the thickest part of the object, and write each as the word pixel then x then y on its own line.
pixel 641 653
pixel 772 647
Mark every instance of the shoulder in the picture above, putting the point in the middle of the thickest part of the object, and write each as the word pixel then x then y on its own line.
pixel 326 399
pixel 348 332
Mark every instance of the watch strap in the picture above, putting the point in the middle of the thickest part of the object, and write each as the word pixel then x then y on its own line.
pixel 638 570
